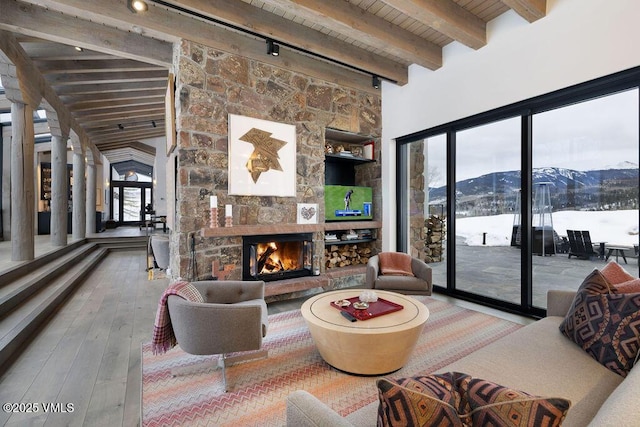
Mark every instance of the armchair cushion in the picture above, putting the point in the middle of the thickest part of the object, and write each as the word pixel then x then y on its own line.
pixel 395 263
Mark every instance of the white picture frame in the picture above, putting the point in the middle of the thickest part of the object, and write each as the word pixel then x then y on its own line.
pixel 275 142
pixel 307 213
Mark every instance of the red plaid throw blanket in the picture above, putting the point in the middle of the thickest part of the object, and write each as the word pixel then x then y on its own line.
pixel 163 336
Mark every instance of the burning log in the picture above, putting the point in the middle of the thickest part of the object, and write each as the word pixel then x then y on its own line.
pixel 264 257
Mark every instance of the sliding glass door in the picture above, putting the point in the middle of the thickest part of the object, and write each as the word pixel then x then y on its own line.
pixel 487 183
pixel 585 177
pixel 537 194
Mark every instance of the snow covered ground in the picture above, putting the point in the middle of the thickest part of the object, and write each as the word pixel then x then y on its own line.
pixel 617 228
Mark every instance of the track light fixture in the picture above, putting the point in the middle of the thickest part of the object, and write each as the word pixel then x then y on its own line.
pixel 120 126
pixel 375 82
pixel 153 123
pixel 272 48
pixel 137 6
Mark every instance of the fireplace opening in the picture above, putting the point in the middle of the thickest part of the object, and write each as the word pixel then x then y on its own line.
pixel 277 256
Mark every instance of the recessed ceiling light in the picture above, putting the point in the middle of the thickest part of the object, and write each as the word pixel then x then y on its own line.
pixel 78 48
pixel 136 6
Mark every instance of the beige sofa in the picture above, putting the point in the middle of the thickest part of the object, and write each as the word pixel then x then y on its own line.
pixel 537 359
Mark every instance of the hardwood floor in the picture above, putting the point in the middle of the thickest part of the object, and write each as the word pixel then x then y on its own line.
pixel 88 354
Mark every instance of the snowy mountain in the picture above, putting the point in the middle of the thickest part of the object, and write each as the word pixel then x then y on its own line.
pixel 496 193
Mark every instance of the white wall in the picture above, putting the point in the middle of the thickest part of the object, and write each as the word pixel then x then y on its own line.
pixel 577 41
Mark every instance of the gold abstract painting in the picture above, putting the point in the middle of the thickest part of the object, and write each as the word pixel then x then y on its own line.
pixel 262 157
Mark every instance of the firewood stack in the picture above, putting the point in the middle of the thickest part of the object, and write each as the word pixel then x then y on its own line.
pixel 345 255
pixel 435 230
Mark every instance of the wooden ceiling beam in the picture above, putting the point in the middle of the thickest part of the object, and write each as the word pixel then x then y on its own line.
pixel 101 78
pixel 269 25
pixel 23 18
pixel 94 105
pixel 123 111
pixel 113 64
pixel 129 136
pixel 108 96
pixel 136 145
pixel 164 24
pixel 89 125
pixel 352 21
pixel 129 123
pixel 446 17
pixel 95 88
pixel 531 10
pixel 26 70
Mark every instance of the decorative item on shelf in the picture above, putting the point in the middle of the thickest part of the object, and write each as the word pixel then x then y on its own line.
pixel 367 150
pixel 368 296
pixel 351 235
pixel 339 148
pixel 228 216
pixel 356 150
pixel 331 237
pixel 213 207
pixel 328 148
pixel 307 213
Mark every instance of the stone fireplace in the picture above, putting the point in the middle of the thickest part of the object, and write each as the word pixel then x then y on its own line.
pixel 277 256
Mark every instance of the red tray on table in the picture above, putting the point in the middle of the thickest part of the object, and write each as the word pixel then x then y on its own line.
pixel 375 309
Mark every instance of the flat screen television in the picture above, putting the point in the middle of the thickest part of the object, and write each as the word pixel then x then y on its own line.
pixel 348 203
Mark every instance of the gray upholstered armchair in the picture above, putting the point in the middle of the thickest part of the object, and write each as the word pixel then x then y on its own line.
pixel 418 283
pixel 233 318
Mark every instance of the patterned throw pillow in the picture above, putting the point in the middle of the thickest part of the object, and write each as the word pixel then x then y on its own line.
pixel 395 263
pixel 615 273
pixel 604 324
pixel 431 400
pixel 495 405
pixel 632 286
pixel 457 399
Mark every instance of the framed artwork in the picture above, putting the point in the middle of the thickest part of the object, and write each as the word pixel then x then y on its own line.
pixel 262 157
pixel 170 114
pixel 307 213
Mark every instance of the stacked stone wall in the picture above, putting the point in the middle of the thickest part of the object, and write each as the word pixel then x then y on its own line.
pixel 212 84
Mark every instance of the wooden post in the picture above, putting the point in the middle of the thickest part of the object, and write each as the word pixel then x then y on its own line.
pixel 59 191
pixel 22 183
pixel 79 199
pixel 91 199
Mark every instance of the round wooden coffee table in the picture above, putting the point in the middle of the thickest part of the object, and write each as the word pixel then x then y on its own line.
pixel 375 346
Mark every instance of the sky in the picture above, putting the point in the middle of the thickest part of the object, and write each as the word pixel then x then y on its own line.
pixel 595 134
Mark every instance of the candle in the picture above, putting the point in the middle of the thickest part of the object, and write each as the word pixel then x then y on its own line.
pixel 227 210
pixel 213 201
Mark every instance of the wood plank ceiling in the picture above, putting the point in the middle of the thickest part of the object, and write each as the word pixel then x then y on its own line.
pixel 113 87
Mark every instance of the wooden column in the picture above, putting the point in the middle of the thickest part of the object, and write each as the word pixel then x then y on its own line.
pixel 79 196
pixel 59 191
pixel 22 183
pixel 91 198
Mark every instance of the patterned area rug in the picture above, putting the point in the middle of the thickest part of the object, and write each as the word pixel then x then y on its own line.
pixel 259 388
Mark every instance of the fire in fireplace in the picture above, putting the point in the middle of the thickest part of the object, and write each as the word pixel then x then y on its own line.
pixel 276 257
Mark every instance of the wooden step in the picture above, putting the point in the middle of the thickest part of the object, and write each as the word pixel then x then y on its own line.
pixel 14 273
pixel 12 294
pixel 25 320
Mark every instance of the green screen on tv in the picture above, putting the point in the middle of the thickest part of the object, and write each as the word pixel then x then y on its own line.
pixel 347 203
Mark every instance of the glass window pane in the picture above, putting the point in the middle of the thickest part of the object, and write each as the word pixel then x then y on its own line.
pixel 487 187
pixel 587 154
pixel 428 204
pixel 132 204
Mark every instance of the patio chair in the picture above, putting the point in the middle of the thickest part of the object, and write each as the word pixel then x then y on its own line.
pixel 580 244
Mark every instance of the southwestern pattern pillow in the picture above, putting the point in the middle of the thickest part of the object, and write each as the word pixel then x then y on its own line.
pixel 632 286
pixel 495 405
pixel 615 273
pixel 431 400
pixel 457 399
pixel 605 325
